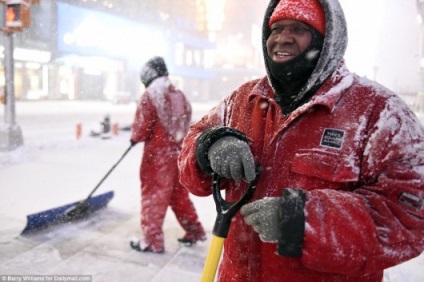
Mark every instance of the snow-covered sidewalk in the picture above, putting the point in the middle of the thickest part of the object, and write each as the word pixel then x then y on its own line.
pixel 40 178
pixel 53 168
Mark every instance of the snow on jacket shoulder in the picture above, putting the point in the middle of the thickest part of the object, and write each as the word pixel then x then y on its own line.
pixel 163 115
pixel 357 152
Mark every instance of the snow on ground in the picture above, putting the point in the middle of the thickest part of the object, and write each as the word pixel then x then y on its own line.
pixel 54 168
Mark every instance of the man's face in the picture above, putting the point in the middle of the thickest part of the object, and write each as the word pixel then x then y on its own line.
pixel 288 39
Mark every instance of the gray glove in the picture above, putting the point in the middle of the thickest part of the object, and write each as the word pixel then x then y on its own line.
pixel 231 157
pixel 265 216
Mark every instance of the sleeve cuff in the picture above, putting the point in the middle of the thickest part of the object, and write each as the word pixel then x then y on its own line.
pixel 207 138
pixel 293 226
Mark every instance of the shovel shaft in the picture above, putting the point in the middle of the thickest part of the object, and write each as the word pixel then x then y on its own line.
pixel 109 172
pixel 212 260
pixel 226 211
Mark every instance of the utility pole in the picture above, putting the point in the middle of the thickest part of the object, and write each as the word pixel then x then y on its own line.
pixel 16 16
pixel 10 132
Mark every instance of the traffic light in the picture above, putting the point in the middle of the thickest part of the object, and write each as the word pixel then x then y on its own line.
pixel 16 14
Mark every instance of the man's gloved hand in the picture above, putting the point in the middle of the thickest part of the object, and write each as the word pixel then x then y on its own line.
pixel 231 157
pixel 132 142
pixel 265 216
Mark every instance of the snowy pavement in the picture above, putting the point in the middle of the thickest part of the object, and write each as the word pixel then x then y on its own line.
pixel 53 168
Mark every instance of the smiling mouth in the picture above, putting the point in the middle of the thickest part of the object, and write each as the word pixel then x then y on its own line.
pixel 284 54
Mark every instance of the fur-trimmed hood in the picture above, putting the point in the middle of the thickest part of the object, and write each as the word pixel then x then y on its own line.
pixel 333 50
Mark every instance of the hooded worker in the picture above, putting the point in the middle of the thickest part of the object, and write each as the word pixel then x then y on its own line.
pixel 161 121
pixel 340 193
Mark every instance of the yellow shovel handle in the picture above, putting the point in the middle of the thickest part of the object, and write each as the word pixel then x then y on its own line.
pixel 212 260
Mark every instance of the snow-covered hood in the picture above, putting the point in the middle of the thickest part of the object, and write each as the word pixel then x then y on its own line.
pixel 334 47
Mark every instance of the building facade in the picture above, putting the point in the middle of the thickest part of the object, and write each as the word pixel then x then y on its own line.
pixel 87 49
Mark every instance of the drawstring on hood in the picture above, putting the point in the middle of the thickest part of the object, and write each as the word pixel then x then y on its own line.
pixel 301 76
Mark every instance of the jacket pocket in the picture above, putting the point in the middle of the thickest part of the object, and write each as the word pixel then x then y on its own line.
pixel 326 165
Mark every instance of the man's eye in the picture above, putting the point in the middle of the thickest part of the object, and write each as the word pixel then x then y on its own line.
pixel 276 30
pixel 300 29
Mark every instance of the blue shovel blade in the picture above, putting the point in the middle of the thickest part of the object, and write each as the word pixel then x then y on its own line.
pixel 55 216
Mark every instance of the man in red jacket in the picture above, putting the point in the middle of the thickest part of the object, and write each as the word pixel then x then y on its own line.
pixel 161 121
pixel 340 193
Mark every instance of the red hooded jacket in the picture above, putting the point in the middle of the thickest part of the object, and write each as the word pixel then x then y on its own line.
pixel 162 117
pixel 355 150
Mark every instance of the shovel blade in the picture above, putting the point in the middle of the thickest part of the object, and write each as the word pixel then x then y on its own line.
pixel 58 215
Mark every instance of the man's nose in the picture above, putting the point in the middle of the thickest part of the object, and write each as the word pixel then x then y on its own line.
pixel 285 36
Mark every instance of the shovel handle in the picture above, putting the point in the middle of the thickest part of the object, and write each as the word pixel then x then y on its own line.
pixel 212 260
pixel 109 172
pixel 226 211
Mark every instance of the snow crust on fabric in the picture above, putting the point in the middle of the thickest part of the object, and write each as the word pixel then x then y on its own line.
pixel 172 115
pixel 97 246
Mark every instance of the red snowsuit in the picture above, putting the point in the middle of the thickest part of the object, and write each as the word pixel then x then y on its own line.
pixel 161 121
pixel 354 149
pixel 364 209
